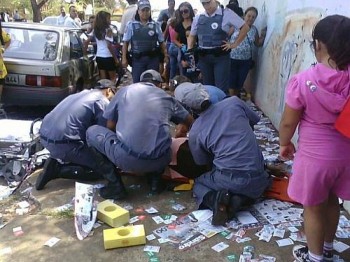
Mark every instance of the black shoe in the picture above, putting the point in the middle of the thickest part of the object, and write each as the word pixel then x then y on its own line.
pixel 237 202
pixel 77 172
pixel 219 208
pixel 50 171
pixel 156 183
pixel 105 167
pixel 114 191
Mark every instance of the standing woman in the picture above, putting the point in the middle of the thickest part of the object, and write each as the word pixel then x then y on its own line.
pixel 213 28
pixel 106 56
pixel 242 55
pixel 5 41
pixel 145 38
pixel 173 49
pixel 183 27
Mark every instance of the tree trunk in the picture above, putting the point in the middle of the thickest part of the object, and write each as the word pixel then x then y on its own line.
pixel 36 9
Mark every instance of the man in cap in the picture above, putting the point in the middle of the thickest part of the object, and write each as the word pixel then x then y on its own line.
pixel 138 139
pixel 222 137
pixel 63 134
pixel 213 29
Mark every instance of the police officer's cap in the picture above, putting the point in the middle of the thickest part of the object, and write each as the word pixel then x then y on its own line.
pixel 104 83
pixel 151 75
pixel 143 4
pixel 193 96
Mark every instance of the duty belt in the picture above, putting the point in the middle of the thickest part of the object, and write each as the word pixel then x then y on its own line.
pixel 142 156
pixel 147 53
pixel 63 141
pixel 217 51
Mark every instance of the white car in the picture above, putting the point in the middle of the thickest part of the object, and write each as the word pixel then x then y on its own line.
pixel 45 64
pixel 50 20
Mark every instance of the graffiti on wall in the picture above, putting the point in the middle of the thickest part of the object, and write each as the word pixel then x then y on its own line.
pixel 290 52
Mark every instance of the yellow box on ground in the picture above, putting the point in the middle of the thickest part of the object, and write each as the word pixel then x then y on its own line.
pixel 112 214
pixel 124 236
pixel 185 187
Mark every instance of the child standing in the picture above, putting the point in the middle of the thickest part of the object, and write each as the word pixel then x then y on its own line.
pixel 321 170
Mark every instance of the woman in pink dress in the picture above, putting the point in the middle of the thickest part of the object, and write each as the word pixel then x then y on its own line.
pixel 321 170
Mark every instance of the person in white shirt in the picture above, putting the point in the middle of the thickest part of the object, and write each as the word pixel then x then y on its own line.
pixel 70 20
pixel 128 15
pixel 106 55
pixel 16 16
pixel 62 17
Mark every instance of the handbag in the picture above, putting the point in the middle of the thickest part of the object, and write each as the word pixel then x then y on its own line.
pixel 342 124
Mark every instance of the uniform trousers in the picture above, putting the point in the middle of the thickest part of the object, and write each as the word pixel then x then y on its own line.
pixel 107 143
pixel 143 63
pixel 251 184
pixel 215 70
pixel 76 152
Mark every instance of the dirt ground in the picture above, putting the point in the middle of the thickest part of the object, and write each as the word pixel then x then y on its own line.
pixel 43 222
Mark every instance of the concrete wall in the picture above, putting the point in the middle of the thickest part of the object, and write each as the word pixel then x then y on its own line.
pixel 286 50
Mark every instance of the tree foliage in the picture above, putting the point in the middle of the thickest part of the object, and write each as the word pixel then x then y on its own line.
pixel 52 7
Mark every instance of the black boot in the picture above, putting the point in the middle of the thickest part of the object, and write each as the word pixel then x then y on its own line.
pixel 77 172
pixel 114 190
pixel 156 183
pixel 237 203
pixel 50 171
pixel 218 202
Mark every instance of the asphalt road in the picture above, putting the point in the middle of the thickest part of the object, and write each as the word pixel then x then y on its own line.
pixel 26 113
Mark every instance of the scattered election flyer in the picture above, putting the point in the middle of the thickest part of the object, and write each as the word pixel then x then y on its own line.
pixel 85 209
pixel 189 230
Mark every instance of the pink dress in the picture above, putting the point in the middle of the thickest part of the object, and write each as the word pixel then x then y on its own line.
pixel 322 161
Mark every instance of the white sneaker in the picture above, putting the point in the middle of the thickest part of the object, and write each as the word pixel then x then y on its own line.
pixel 301 253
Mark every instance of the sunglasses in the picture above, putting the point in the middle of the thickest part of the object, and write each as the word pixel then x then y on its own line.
pixel 185 11
pixel 146 9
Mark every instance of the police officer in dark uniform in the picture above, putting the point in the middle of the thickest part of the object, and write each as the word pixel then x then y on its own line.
pixel 213 28
pixel 222 137
pixel 63 134
pixel 138 138
pixel 147 42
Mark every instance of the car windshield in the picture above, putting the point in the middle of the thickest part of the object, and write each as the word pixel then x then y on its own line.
pixel 50 21
pixel 32 44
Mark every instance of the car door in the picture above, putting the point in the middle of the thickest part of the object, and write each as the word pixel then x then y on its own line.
pixel 87 63
pixel 93 70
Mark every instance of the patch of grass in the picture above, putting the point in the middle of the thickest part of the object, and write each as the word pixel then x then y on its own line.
pixel 58 214
pixel 10 200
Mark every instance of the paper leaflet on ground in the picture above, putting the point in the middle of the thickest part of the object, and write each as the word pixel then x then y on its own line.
pixel 248 219
pixel 85 210
pixel 269 211
pixel 189 230
pixel 196 227
pixel 276 212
